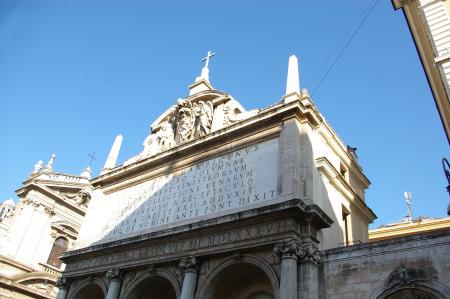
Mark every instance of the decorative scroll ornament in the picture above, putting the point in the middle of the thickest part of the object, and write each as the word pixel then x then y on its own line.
pixel 405 275
pixel 233 112
pixel 31 202
pixel 189 263
pixel 289 249
pixel 62 282
pixel 114 274
pixel 49 210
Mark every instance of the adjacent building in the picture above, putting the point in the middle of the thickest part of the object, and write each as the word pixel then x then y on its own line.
pixel 429 23
pixel 35 231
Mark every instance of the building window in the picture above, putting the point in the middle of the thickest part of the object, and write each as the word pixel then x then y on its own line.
pixel 345 219
pixel 58 248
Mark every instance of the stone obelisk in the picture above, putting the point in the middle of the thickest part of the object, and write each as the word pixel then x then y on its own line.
pixel 293 81
pixel 113 154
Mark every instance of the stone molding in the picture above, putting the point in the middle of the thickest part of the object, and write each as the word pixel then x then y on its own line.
pixel 115 274
pixel 194 245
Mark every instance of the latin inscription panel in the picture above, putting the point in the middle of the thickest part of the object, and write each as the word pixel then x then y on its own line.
pixel 222 185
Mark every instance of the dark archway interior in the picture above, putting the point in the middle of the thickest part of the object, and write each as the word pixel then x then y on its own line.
pixel 241 281
pixel 91 291
pixel 156 287
pixel 411 293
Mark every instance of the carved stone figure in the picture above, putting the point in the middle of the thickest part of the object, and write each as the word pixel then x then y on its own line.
pixel 204 112
pixel 185 121
pixel 404 275
pixel 151 145
pixel 165 136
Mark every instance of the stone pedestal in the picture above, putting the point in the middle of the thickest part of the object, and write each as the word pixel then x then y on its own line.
pixel 289 252
pixel 190 267
pixel 116 277
pixel 63 284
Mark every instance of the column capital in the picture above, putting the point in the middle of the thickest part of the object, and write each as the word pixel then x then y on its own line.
pixel 190 263
pixel 310 253
pixel 62 282
pixel 289 249
pixel 115 274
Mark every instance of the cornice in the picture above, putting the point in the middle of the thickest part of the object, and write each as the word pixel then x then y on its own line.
pixel 266 119
pixel 47 191
pixel 324 166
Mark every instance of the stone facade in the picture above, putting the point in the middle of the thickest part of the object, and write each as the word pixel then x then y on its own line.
pixel 228 203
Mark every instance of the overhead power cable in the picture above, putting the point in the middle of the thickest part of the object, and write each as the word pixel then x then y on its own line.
pixel 362 21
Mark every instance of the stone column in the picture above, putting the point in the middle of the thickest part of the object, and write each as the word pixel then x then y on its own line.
pixel 189 266
pixel 289 252
pixel 309 271
pixel 115 276
pixel 63 284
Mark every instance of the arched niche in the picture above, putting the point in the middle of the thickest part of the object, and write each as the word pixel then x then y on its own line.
pixel 90 288
pixel 246 277
pixel 157 284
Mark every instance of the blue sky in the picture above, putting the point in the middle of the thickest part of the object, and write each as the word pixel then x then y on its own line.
pixel 74 74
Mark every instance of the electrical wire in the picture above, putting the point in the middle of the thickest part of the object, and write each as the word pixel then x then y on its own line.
pixel 370 10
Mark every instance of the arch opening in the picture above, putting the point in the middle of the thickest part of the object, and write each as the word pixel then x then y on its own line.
pixel 240 281
pixel 157 287
pixel 91 291
pixel 411 293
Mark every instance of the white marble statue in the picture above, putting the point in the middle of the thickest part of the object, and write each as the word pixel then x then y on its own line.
pixel 49 166
pixel 38 167
pixel 185 121
pixel 204 112
pixel 151 145
pixel 165 136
